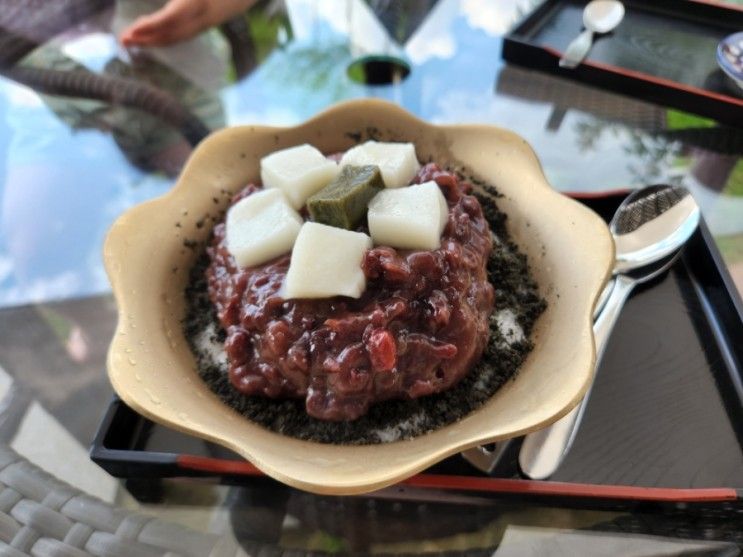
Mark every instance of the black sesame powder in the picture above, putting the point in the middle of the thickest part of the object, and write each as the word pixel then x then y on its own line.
pixel 515 290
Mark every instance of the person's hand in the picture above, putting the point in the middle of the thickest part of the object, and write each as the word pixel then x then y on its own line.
pixel 180 20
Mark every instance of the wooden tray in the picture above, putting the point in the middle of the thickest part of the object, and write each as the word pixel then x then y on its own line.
pixel 664 422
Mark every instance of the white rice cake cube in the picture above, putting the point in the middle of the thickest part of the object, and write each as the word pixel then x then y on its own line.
pixel 409 218
pixel 396 161
pixel 260 227
pixel 326 262
pixel 299 172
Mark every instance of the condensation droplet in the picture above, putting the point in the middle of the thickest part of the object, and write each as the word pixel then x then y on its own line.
pixel 138 377
pixel 153 397
pixel 128 350
pixel 132 361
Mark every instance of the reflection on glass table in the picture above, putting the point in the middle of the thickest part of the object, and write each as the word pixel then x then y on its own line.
pixel 88 129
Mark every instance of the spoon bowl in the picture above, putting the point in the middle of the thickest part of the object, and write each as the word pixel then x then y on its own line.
pixel 652 223
pixel 601 16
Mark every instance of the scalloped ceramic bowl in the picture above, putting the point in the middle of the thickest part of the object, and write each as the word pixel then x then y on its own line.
pixel 148 258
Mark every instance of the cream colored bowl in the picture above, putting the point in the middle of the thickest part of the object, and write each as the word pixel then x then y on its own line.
pixel 149 251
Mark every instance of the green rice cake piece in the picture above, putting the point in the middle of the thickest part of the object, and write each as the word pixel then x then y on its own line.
pixel 343 202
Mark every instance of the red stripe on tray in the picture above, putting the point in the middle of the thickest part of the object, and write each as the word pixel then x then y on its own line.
pixel 720 4
pixel 651 78
pixel 597 194
pixel 497 485
pixel 532 487
pixel 217 466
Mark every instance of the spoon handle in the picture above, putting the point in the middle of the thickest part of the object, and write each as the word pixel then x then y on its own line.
pixel 486 460
pixel 577 50
pixel 603 298
pixel 543 451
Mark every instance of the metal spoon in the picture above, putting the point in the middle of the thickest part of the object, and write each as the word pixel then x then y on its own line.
pixel 599 16
pixel 649 228
pixel 627 259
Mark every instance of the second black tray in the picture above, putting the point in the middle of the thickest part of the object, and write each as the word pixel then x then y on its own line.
pixel 663 51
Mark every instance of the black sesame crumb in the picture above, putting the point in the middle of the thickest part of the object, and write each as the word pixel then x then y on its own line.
pixel 515 289
pixel 190 244
pixel 373 133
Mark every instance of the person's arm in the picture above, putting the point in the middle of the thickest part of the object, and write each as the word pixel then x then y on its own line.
pixel 179 20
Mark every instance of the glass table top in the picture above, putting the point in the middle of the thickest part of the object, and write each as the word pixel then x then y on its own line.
pixel 126 122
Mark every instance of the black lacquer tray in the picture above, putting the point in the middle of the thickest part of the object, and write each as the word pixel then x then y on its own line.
pixel 663 51
pixel 664 422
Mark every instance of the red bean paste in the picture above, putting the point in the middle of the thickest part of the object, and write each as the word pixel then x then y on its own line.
pixel 418 329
